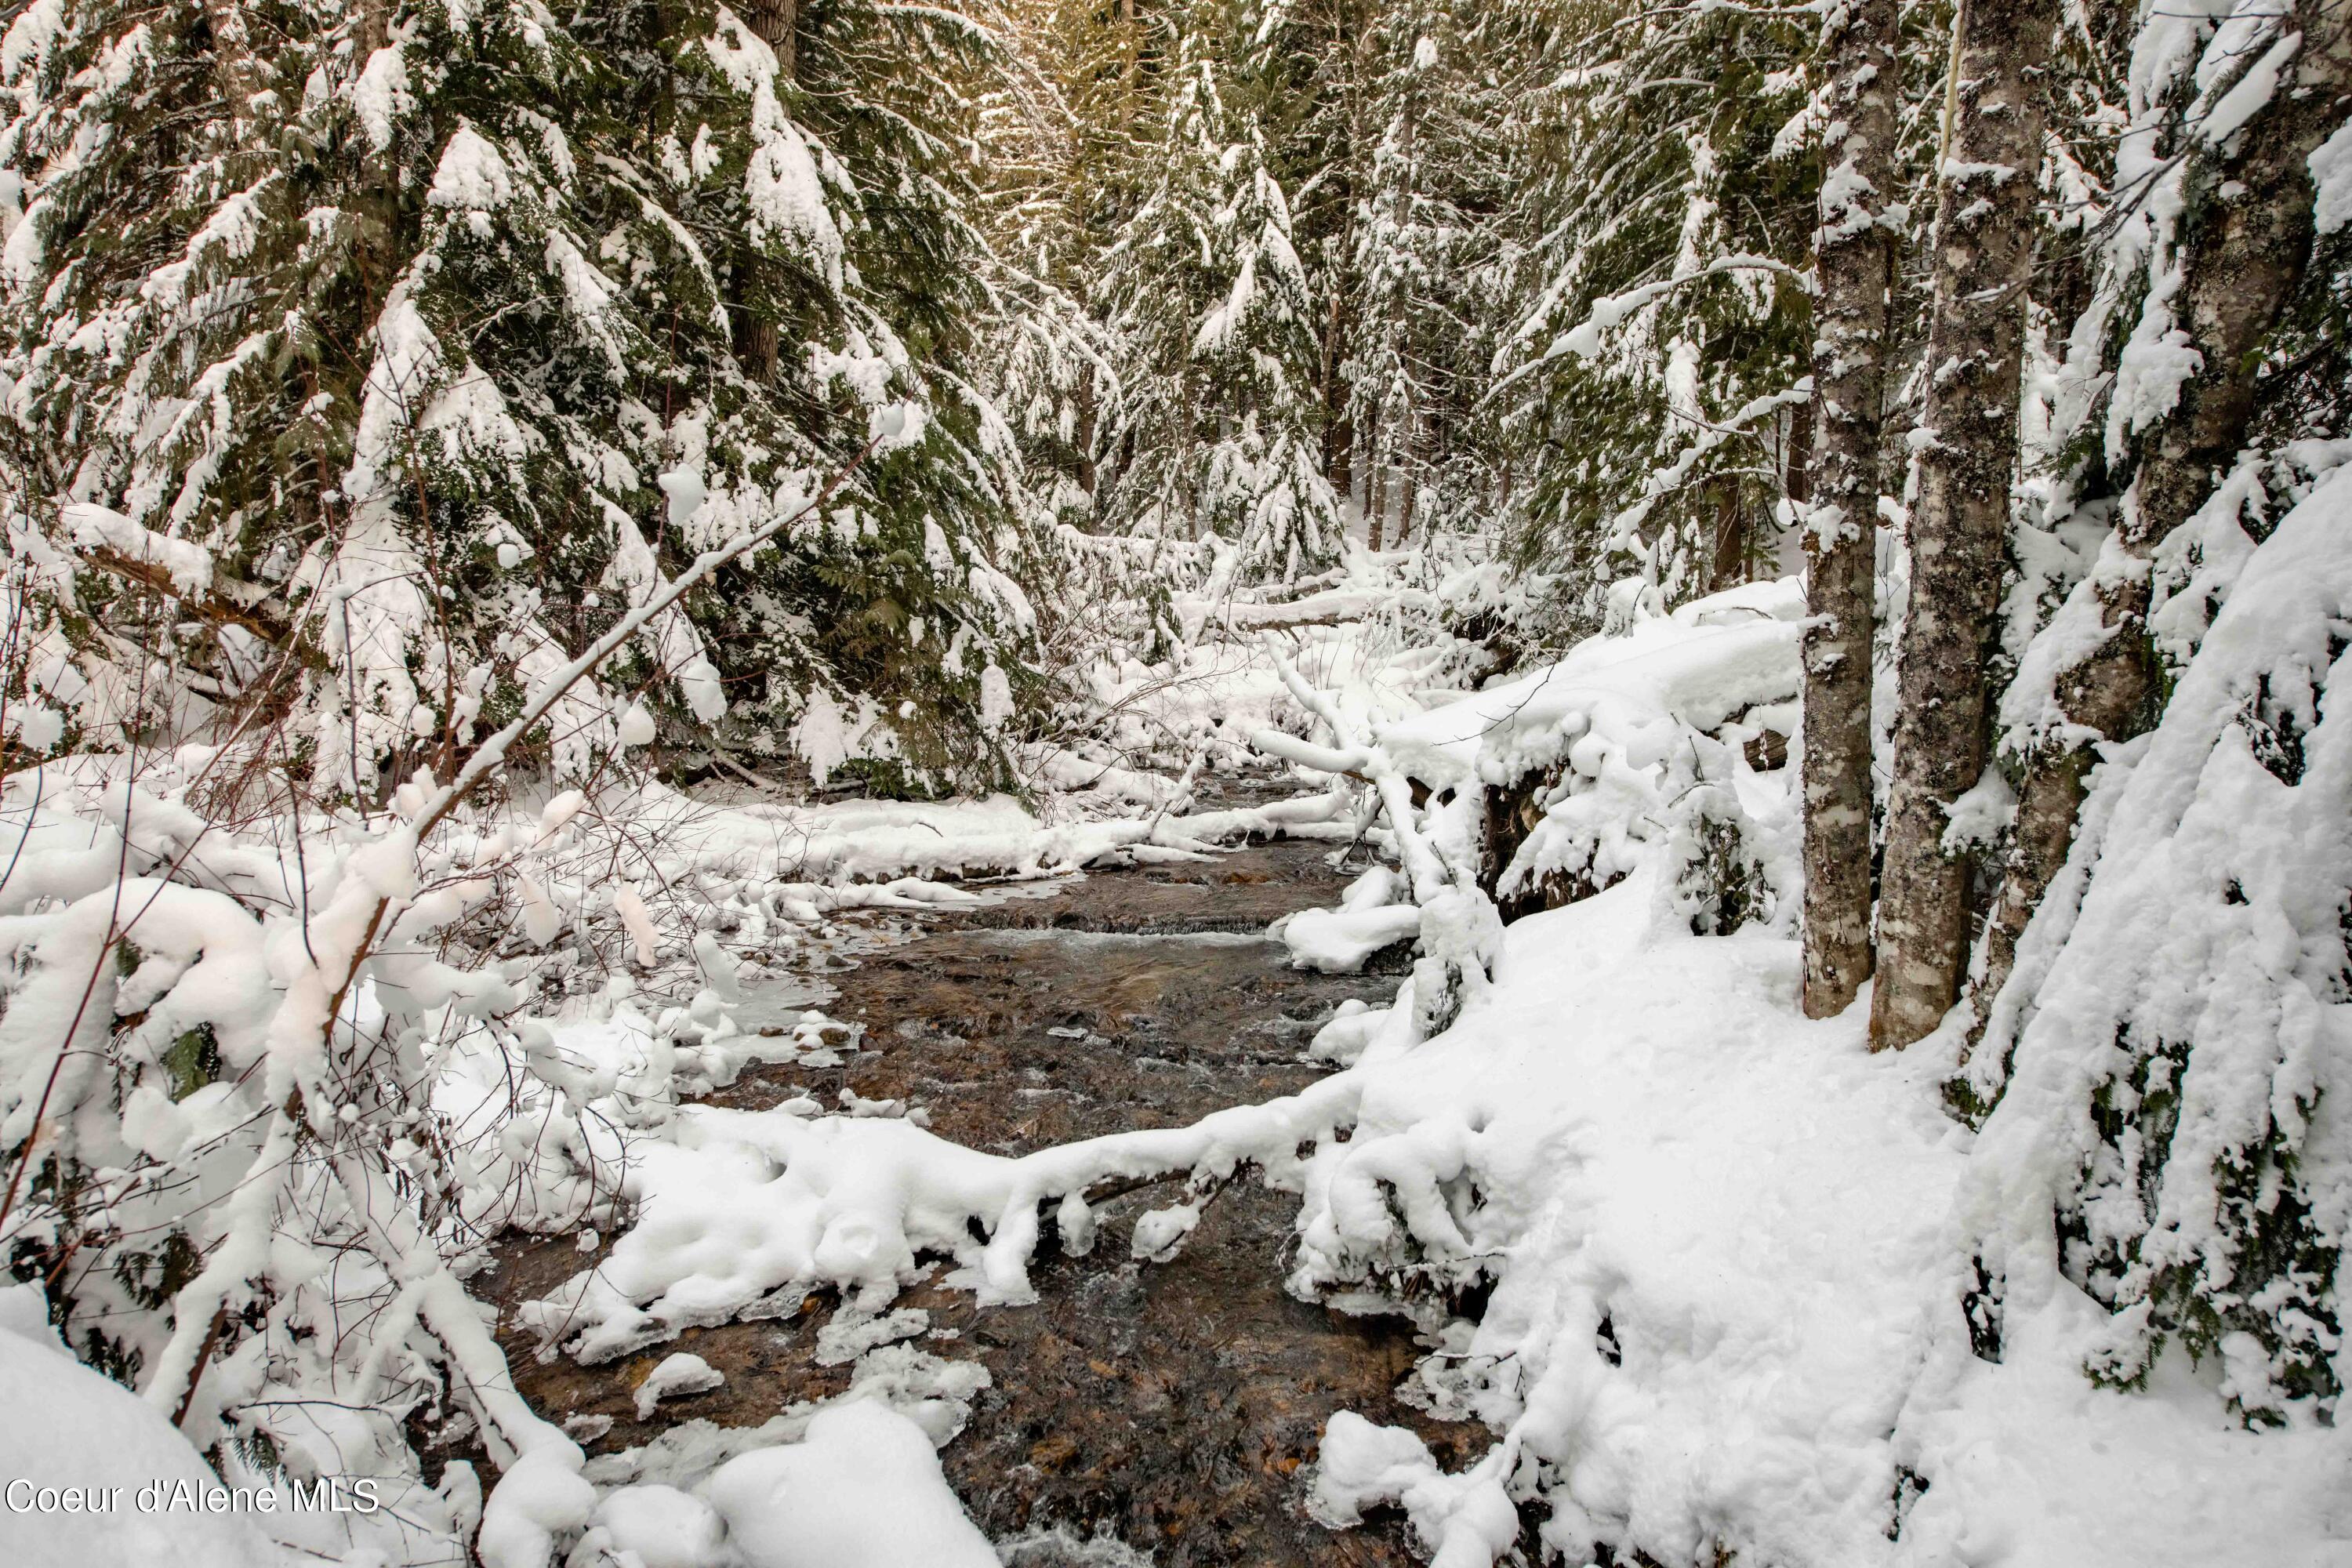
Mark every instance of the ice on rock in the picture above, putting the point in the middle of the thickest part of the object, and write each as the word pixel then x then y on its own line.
pixel 850 1336
pixel 676 1374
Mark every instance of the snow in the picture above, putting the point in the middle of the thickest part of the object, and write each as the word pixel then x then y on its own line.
pixel 665 1527
pixel 863 1490
pixel 541 1498
pixel 2251 92
pixel 2206 946
pixel 380 95
pixel 1720 1283
pixel 2331 179
pixel 676 1374
pixel 67 1426
pixel 1337 941
pixel 93 527
pixel 1666 1147
pixel 786 194
pixel 472 176
pixel 1728 1247
pixel 30 39
pixel 996 698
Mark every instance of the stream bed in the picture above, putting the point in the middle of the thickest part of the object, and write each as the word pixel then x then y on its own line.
pixel 1160 1412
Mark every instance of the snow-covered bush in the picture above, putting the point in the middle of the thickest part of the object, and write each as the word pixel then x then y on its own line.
pixel 2164 1070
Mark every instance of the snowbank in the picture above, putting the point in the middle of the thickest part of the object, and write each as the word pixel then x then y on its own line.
pixel 66 1426
pixel 1727 1302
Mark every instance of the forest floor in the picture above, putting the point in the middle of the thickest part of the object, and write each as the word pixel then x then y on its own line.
pixel 1175 1408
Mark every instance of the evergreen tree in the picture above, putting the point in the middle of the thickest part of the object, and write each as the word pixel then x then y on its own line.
pixel 1427 237
pixel 1220 427
pixel 418 324
pixel 1652 379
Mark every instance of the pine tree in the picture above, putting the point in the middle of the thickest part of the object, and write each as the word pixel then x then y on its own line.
pixel 1661 349
pixel 1425 248
pixel 419 325
pixel 1219 431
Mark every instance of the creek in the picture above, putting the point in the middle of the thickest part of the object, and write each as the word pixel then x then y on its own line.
pixel 1137 1411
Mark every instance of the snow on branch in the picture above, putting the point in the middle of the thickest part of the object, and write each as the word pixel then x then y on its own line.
pixel 1583 340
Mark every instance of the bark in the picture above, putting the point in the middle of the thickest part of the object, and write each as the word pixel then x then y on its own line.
pixel 758 339
pixel 227 604
pixel 1983 254
pixel 1797 465
pixel 1854 266
pixel 777 23
pixel 2242 261
pixel 1089 422
pixel 1338 430
pixel 1729 566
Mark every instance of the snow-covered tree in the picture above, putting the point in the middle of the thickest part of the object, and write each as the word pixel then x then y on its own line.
pixel 426 333
pixel 1425 245
pixel 1653 378
pixel 1220 427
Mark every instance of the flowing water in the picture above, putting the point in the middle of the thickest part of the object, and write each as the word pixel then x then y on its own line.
pixel 1171 1408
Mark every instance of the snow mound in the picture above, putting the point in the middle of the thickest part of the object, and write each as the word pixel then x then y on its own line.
pixel 863 1490
pixel 1337 941
pixel 1626 748
pixel 676 1374
pixel 69 1427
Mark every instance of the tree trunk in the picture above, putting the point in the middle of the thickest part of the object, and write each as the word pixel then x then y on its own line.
pixel 1338 431
pixel 1089 422
pixel 2242 261
pixel 757 339
pixel 1729 568
pixel 1983 254
pixel 1797 461
pixel 1854 264
pixel 777 23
